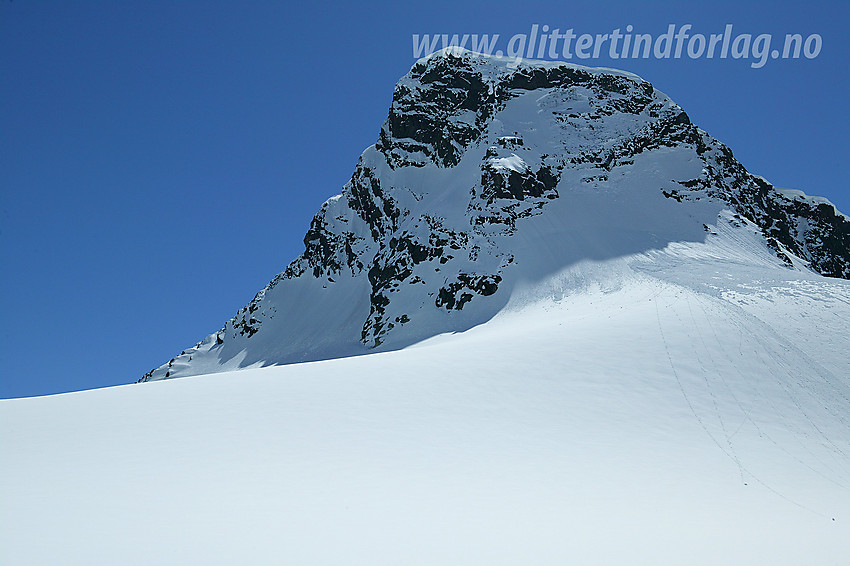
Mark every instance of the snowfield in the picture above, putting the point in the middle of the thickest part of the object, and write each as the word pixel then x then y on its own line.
pixel 664 408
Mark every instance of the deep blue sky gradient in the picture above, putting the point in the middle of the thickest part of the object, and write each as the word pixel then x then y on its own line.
pixel 160 161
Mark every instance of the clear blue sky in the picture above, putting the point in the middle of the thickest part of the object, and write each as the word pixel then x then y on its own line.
pixel 161 161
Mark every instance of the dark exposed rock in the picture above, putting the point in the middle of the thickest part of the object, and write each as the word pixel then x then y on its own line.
pixel 510 188
pixel 457 293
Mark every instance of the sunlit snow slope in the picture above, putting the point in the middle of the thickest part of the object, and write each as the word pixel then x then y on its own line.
pixel 679 407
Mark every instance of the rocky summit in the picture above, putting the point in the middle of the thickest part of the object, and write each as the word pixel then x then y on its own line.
pixel 490 178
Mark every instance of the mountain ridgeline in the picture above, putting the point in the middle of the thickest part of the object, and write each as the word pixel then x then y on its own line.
pixel 488 178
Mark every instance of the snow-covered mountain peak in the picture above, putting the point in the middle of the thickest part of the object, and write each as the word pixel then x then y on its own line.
pixel 492 175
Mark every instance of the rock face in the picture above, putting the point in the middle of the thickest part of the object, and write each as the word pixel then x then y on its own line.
pixel 487 177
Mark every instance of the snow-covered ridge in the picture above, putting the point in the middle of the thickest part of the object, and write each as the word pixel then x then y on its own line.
pixel 797 194
pixel 488 177
pixel 497 65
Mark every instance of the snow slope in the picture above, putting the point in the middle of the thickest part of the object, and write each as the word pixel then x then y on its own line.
pixel 683 406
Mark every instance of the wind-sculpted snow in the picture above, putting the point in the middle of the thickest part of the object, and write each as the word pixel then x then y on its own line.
pixel 487 175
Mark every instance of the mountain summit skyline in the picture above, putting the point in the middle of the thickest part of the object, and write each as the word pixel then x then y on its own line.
pixel 489 175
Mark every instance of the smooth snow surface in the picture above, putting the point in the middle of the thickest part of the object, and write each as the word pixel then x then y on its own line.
pixel 684 406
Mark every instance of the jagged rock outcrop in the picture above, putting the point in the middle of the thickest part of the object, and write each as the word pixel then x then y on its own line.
pixel 476 159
